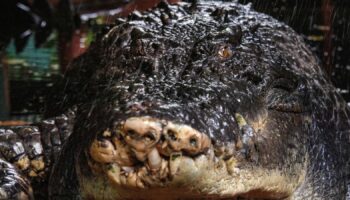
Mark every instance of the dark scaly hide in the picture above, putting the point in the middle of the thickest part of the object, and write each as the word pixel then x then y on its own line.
pixel 199 64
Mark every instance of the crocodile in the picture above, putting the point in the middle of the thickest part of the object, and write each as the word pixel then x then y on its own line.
pixel 202 100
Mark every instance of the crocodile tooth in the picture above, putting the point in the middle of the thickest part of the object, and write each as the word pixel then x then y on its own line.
pixel 103 151
pixel 113 173
pixel 132 180
pixel 154 160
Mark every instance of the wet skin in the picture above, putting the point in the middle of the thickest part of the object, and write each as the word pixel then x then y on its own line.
pixel 209 100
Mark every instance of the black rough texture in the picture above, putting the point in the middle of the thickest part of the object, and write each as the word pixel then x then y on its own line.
pixel 39 142
pixel 199 64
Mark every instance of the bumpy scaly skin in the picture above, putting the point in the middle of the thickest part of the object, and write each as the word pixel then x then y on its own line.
pixel 13 185
pixel 27 154
pixel 208 100
pixel 277 127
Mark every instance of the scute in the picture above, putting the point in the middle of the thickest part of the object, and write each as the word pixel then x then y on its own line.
pixel 274 127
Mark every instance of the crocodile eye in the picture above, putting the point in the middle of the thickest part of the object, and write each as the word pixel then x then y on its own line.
pixel 287 95
pixel 225 52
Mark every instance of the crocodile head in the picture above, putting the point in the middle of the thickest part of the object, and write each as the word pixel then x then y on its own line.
pixel 209 100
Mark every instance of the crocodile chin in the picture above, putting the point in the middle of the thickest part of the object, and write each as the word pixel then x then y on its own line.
pixel 148 158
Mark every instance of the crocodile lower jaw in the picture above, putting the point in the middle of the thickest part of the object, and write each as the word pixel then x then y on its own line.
pixel 147 158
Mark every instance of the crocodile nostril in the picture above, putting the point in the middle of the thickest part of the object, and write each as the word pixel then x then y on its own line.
pixel 141 134
pixel 172 135
pixel 193 142
pixel 150 136
pixel 133 134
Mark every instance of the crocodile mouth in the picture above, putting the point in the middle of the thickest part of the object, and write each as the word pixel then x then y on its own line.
pixel 162 159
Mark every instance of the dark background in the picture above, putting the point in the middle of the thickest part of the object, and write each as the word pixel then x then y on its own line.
pixel 325 25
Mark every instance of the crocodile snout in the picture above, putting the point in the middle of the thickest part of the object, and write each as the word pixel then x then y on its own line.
pixel 147 152
pixel 141 150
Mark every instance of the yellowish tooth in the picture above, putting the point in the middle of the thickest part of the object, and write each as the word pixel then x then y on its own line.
pixel 124 154
pixel 174 166
pixel 148 180
pixel 140 184
pixel 202 162
pixel 175 155
pixel 23 163
pixel 38 164
pixel 211 154
pixel 154 160
pixel 164 145
pixel 231 164
pixel 33 173
pixel 174 162
pixel 102 152
pixel 123 180
pixel 132 180
pixel 184 171
pixel 113 173
pixel 240 120
pixel 164 169
pixel 143 177
pixel 107 133
pixel 141 156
